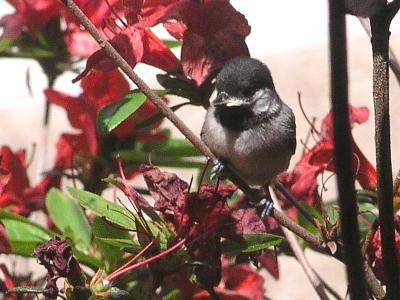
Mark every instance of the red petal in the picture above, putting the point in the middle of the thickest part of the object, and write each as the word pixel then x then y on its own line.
pixel 132 10
pixel 157 54
pixel 244 280
pixel 14 163
pixel 74 106
pixel 80 43
pixel 128 43
pixel 5 177
pixel 357 115
pixel 70 144
pixel 270 262
pixel 5 246
pixel 102 88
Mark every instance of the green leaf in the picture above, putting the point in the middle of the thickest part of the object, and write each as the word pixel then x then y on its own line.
pixel 114 114
pixel 88 260
pixel 173 295
pixel 120 243
pixel 252 242
pixel 107 236
pixel 159 116
pixel 112 212
pixel 173 148
pixel 172 43
pixel 69 217
pixel 6 44
pixel 304 222
pixel 24 235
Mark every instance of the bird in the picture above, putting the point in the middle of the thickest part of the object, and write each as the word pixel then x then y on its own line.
pixel 248 127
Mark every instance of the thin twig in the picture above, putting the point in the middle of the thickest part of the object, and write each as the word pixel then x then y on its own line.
pixel 380 24
pixel 342 151
pixel 329 289
pixel 296 203
pixel 374 285
pixel 298 252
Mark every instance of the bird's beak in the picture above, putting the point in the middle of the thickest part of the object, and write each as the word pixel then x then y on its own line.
pixel 229 101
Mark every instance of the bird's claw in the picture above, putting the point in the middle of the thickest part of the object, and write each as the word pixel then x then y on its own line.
pixel 265 206
pixel 217 169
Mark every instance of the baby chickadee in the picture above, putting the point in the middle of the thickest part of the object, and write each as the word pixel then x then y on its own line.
pixel 248 126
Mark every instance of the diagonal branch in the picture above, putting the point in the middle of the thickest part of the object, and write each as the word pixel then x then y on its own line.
pixel 280 217
pixel 298 252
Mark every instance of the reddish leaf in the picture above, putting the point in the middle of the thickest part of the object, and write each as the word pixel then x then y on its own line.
pixel 269 261
pixel 164 187
pixel 214 32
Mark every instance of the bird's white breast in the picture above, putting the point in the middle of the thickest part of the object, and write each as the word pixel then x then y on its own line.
pixel 256 154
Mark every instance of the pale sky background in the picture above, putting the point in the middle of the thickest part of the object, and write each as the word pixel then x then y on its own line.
pixel 277 27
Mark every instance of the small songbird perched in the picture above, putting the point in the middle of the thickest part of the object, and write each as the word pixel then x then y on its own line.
pixel 248 126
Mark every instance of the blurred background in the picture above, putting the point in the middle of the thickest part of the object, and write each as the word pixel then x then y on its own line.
pixel 291 37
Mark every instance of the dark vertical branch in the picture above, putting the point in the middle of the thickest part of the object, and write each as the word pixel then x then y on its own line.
pixel 342 151
pixel 380 24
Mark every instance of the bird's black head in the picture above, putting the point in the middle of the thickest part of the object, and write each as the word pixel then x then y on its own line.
pixel 245 94
pixel 241 77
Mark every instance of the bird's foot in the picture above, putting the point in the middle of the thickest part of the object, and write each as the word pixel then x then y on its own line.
pixel 265 207
pixel 217 171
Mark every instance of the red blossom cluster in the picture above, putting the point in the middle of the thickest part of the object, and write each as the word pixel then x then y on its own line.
pixel 16 191
pixel 203 218
pixel 374 250
pixel 211 31
pixel 302 181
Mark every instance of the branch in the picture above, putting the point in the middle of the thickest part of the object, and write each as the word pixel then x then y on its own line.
pixel 392 9
pixel 393 62
pixel 380 24
pixel 281 218
pixel 298 252
pixel 342 151
pixel 296 203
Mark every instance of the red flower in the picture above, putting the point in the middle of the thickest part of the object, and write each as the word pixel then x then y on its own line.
pixel 212 32
pixel 238 282
pixel 374 251
pixel 136 43
pixel 78 41
pixel 15 190
pixel 302 181
pixel 29 16
pixel 203 218
pixel 99 89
